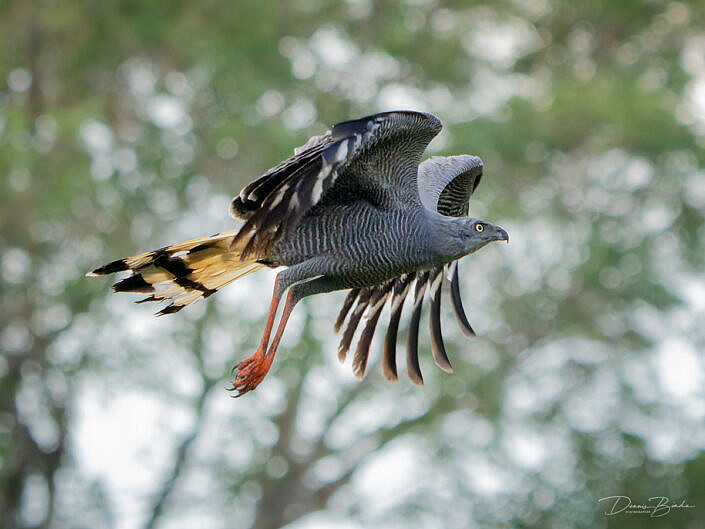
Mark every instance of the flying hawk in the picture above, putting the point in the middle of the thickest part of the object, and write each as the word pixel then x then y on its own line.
pixel 351 209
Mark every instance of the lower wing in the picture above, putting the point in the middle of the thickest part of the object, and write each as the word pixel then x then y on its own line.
pixel 370 301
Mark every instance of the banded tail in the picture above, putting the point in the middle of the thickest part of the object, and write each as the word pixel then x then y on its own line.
pixel 184 272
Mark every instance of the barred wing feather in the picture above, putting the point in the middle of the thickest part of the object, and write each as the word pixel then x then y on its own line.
pixel 445 184
pixel 378 155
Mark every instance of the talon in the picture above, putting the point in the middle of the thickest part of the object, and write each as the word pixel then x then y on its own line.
pixel 251 372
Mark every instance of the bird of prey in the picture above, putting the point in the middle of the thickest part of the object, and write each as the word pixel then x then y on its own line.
pixel 352 209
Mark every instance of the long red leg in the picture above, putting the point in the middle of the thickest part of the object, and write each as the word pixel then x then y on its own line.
pixel 253 370
pixel 246 379
pixel 276 297
pixel 291 301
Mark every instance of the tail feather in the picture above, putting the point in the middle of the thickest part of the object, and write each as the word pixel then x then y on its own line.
pixel 184 272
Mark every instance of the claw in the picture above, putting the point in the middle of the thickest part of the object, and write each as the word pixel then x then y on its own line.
pixel 251 372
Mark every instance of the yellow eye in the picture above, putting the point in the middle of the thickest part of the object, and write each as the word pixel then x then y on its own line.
pixel 479 227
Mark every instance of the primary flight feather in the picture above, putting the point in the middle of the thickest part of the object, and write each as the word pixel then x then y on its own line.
pixel 352 209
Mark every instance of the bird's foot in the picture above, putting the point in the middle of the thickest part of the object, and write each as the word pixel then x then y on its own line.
pixel 250 372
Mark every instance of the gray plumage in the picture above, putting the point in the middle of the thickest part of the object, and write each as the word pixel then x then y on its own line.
pixel 445 185
pixel 352 209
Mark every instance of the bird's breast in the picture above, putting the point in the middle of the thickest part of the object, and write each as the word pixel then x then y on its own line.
pixel 363 245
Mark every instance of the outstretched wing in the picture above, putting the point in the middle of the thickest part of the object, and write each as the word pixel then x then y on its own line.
pixel 445 185
pixel 376 157
pixel 447 182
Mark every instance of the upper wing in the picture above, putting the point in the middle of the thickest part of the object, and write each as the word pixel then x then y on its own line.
pixel 445 185
pixel 447 182
pixel 377 156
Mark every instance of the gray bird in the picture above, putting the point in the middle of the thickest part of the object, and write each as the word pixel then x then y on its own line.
pixel 351 209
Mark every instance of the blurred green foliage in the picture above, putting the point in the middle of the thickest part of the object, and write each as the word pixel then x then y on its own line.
pixel 127 125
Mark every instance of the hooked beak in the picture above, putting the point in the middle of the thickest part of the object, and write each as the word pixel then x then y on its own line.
pixel 502 235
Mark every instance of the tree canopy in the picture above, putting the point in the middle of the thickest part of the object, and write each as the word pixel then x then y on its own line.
pixel 128 125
